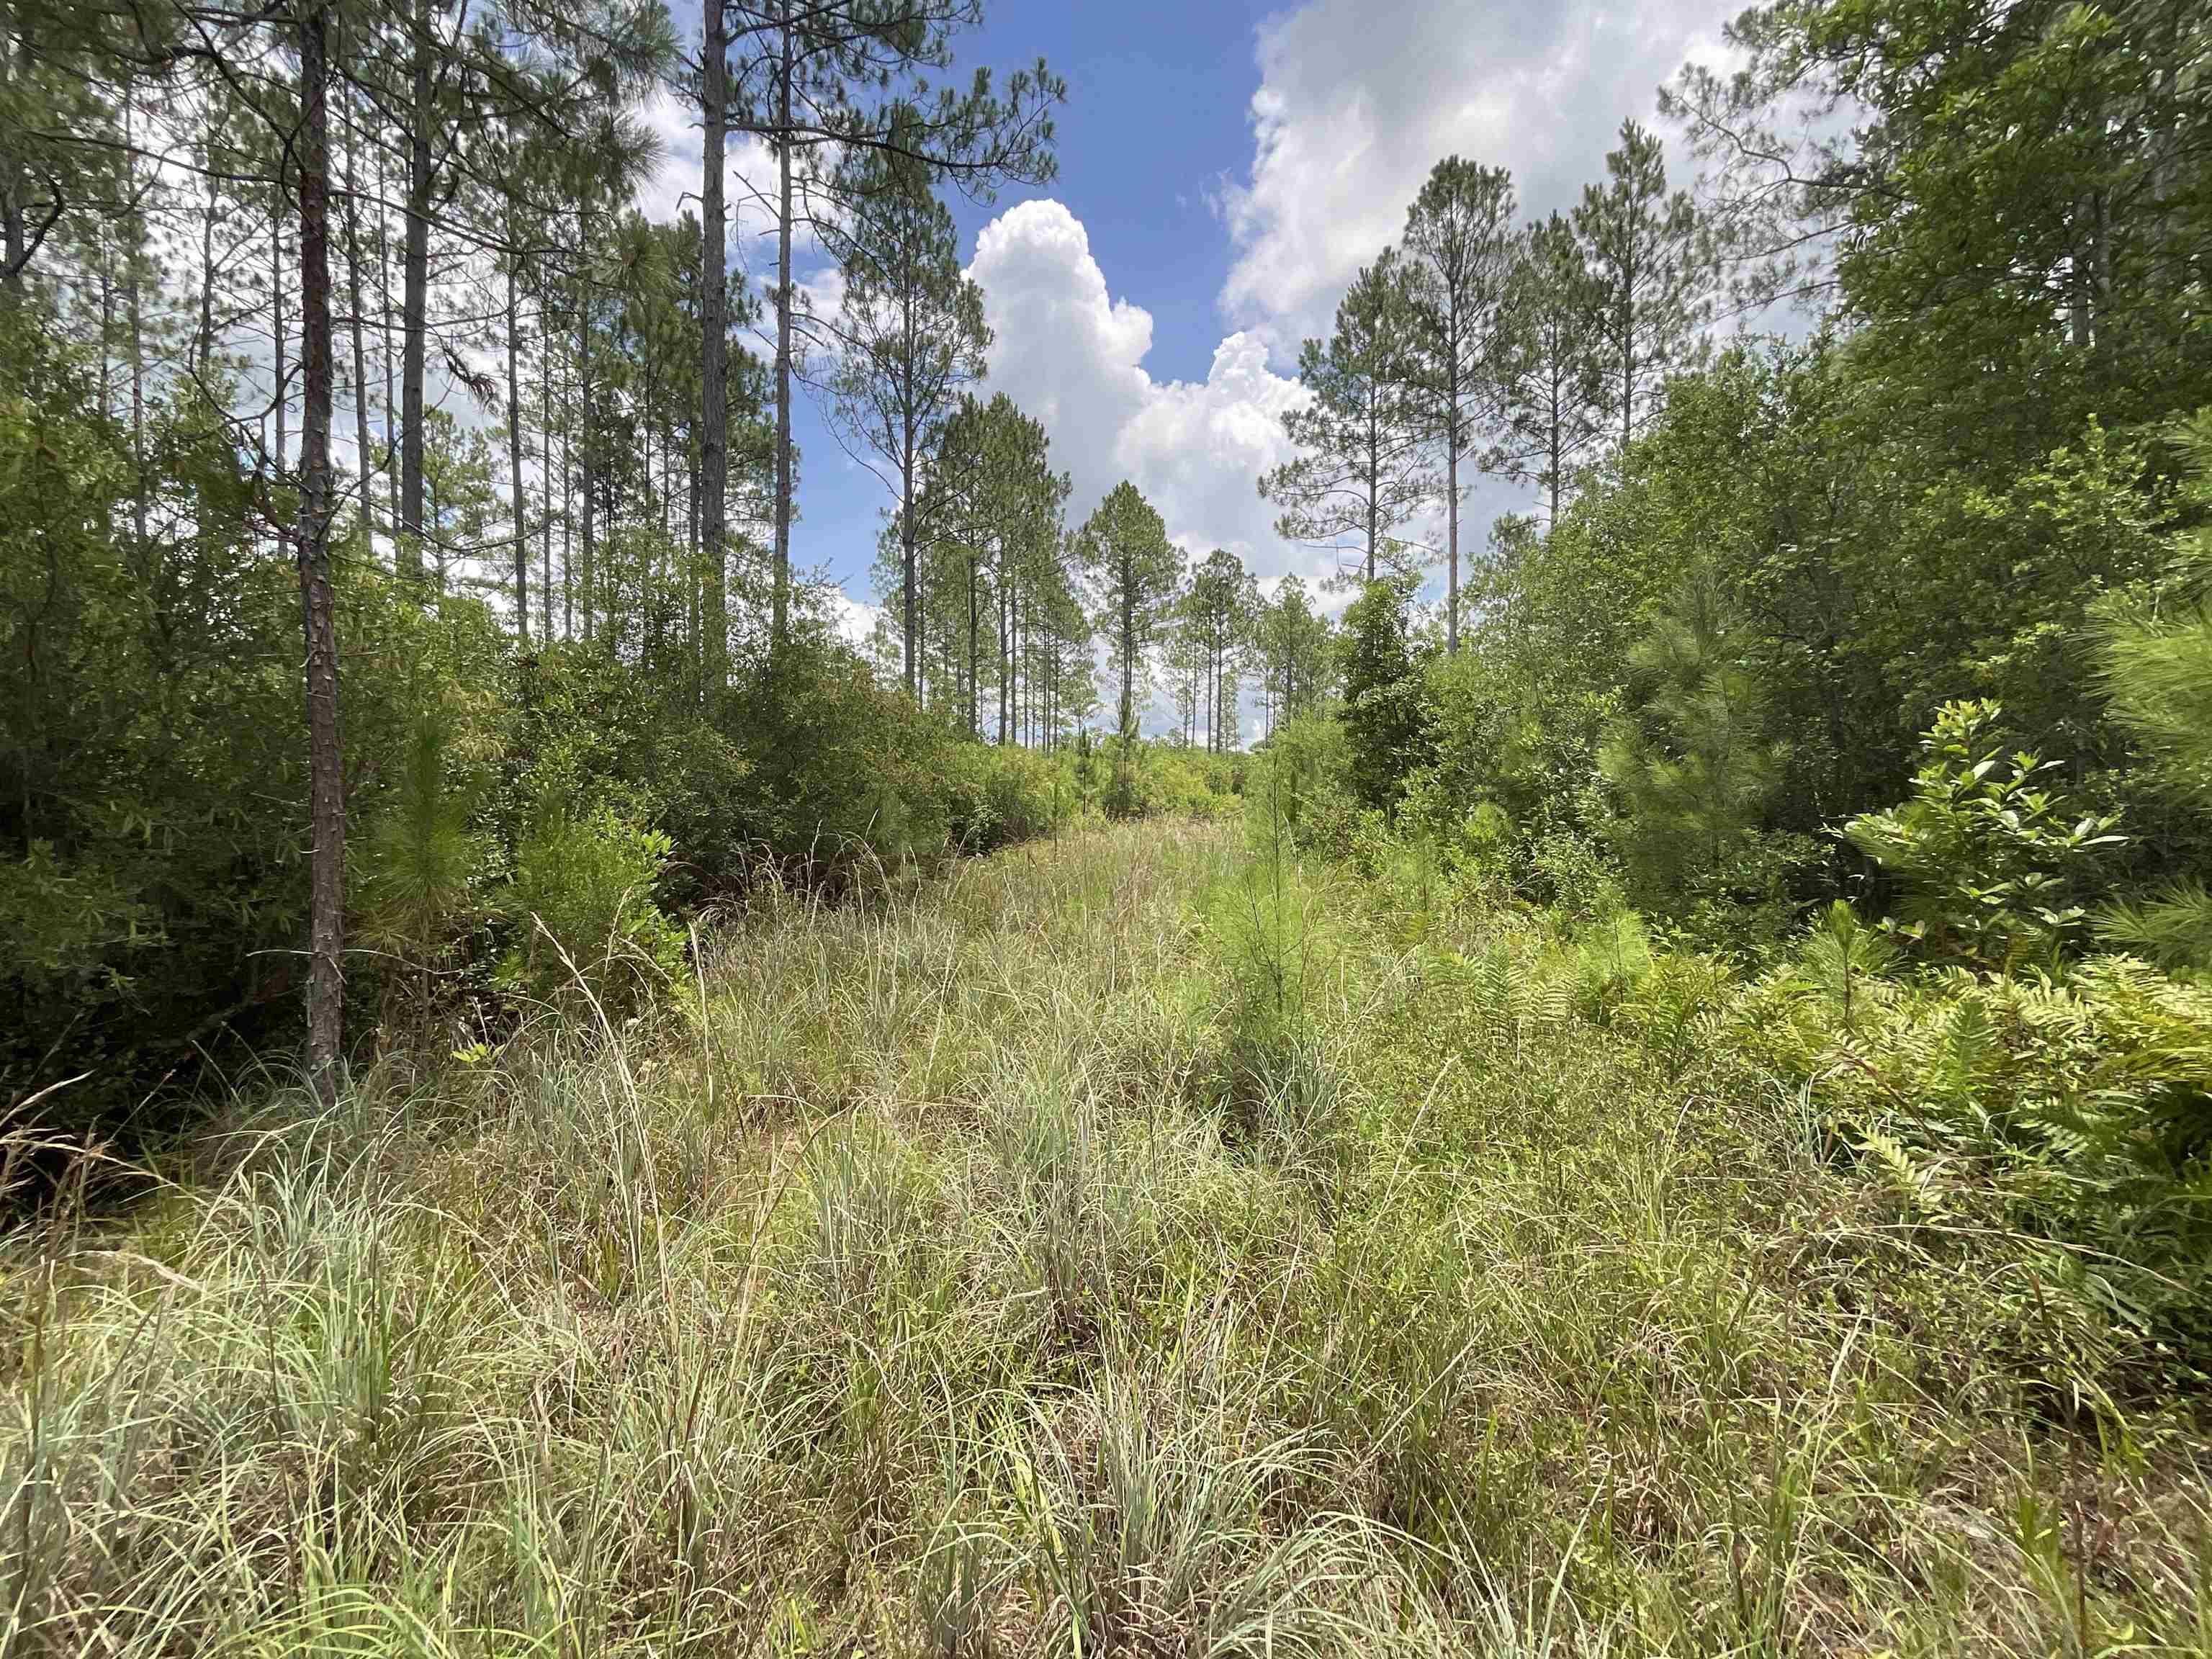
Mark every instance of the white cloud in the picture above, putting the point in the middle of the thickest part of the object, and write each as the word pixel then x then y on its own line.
pixel 853 620
pixel 1359 99
pixel 1073 356
pixel 748 183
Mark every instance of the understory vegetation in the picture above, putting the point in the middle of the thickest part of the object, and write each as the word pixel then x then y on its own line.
pixel 1135 1241
pixel 1641 1088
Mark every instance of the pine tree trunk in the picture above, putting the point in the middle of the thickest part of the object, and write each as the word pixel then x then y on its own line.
pixel 544 464
pixel 415 301
pixel 326 786
pixel 135 309
pixel 12 236
pixel 780 610
pixel 365 458
pixel 974 655
pixel 276 304
pixel 203 340
pixel 384 349
pixel 514 453
pixel 908 636
pixel 1451 537
pixel 587 593
pixel 1374 484
pixel 714 401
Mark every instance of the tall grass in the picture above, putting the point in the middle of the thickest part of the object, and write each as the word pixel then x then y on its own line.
pixel 921 1280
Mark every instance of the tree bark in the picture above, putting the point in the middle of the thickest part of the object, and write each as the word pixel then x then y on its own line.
pixel 781 612
pixel 714 399
pixel 514 455
pixel 415 300
pixel 365 460
pixel 135 308
pixel 203 340
pixel 544 461
pixel 277 306
pixel 12 236
pixel 588 595
pixel 326 786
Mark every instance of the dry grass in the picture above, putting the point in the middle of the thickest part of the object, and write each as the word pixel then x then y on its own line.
pixel 989 1271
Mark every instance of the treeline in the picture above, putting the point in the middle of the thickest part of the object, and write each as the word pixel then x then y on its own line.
pixel 350 331
pixel 1764 566
pixel 1859 672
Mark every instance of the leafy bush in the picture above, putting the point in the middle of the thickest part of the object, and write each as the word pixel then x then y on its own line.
pixel 582 897
pixel 1990 856
pixel 1000 794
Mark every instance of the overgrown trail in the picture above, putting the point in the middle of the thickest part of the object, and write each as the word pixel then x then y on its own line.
pixel 1116 1245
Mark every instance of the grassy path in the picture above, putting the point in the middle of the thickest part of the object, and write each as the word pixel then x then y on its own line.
pixel 1110 1248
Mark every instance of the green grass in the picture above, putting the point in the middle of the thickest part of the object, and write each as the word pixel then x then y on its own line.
pixel 1116 1247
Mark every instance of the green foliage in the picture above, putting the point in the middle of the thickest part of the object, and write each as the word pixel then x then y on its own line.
pixel 2082 1109
pixel 1990 857
pixel 424 853
pixel 1001 794
pixel 1692 757
pixel 1382 712
pixel 1846 963
pixel 583 905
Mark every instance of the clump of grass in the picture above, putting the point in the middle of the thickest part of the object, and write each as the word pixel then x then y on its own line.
pixel 916 1282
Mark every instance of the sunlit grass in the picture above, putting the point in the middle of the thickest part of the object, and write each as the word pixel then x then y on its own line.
pixel 1041 1261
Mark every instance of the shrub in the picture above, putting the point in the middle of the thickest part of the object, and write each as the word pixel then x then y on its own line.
pixel 998 795
pixel 583 898
pixel 1301 783
pixel 1988 856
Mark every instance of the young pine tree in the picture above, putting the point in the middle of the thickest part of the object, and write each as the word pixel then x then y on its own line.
pixel 1691 758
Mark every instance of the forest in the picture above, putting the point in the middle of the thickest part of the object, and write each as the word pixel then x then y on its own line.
pixel 1635 1077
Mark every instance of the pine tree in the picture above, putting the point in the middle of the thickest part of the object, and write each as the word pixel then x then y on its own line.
pixel 1461 247
pixel 1693 758
pixel 1650 266
pixel 1362 470
pixel 908 337
pixel 1123 547
pixel 1551 387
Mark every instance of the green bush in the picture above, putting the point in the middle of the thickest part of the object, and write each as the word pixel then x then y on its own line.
pixel 1991 858
pixel 998 795
pixel 1301 782
pixel 2079 1111
pixel 582 900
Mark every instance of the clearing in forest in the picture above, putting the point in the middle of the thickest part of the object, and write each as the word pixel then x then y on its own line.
pixel 1124 1244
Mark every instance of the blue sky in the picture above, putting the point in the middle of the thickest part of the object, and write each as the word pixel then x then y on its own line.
pixel 1225 170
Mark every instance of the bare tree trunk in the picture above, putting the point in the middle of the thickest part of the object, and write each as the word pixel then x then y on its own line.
pixel 384 349
pixel 567 518
pixel 276 304
pixel 780 620
pixel 365 460
pixel 544 460
pixel 135 307
pixel 415 300
pixel 907 574
pixel 1451 535
pixel 587 595
pixel 514 452
pixel 326 786
pixel 714 517
pixel 203 341
pixel 13 237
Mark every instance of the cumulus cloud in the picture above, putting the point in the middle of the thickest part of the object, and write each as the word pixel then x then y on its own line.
pixel 1359 99
pixel 1072 356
